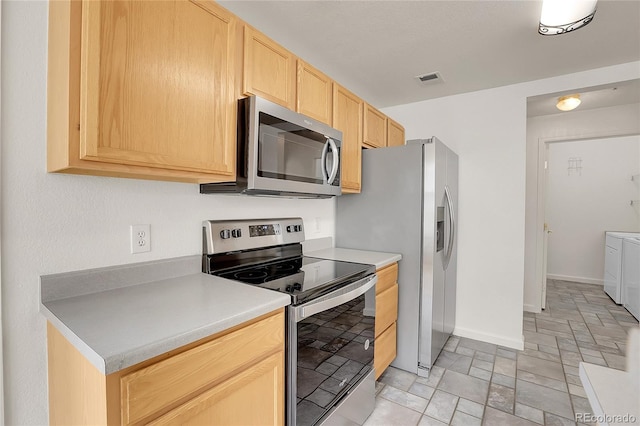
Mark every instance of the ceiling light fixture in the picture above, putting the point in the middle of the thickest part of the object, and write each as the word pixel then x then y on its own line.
pixel 563 16
pixel 568 103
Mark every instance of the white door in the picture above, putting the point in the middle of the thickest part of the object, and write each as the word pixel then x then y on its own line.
pixel 545 245
pixel 546 231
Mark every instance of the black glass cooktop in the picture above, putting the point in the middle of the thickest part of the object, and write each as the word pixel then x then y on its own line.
pixel 302 277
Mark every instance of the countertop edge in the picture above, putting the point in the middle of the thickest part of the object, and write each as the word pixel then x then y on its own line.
pixel 92 356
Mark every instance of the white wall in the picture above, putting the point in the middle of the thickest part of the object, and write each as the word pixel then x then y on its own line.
pixel 622 119
pixel 583 204
pixel 1 360
pixel 55 223
pixel 488 129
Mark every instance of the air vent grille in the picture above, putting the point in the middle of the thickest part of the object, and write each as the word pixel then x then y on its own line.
pixel 431 77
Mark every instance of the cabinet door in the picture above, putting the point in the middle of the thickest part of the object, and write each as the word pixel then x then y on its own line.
pixel 347 117
pixel 314 93
pixel 384 350
pixel 156 85
pixel 395 133
pixel 269 69
pixel 375 127
pixel 149 390
pixel 252 397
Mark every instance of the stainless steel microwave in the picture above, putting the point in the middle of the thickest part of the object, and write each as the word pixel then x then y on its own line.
pixel 282 153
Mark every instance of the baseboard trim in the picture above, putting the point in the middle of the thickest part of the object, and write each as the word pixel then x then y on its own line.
pixel 490 338
pixel 531 308
pixel 582 280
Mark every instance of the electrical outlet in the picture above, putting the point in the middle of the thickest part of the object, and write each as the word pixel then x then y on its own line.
pixel 140 238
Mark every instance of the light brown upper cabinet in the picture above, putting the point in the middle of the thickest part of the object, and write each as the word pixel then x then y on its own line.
pixel 395 133
pixel 269 69
pixel 375 127
pixel 128 97
pixel 314 93
pixel 347 117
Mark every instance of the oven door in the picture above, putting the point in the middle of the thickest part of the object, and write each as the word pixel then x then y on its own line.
pixel 330 356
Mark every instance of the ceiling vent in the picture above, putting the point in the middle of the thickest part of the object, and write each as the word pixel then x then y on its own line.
pixel 432 77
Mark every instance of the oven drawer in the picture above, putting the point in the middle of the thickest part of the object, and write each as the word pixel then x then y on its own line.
pixel 386 277
pixel 385 350
pixel 386 308
pixel 176 379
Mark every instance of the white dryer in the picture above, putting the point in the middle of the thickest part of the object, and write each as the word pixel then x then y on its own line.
pixel 631 275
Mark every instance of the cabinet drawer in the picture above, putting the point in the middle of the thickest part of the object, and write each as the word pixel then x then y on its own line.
pixel 161 385
pixel 384 350
pixel 386 308
pixel 226 404
pixel 386 277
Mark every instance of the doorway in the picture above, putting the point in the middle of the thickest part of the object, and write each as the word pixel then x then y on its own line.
pixel 607 111
pixel 589 189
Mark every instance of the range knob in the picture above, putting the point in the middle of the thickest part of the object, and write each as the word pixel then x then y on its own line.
pixel 295 286
pixel 289 228
pixel 224 234
pixel 236 233
pixel 298 228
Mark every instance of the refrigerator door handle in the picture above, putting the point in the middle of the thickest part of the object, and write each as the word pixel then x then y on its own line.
pixel 452 227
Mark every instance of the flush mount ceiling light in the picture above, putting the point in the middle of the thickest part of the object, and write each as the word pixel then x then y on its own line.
pixel 563 16
pixel 568 103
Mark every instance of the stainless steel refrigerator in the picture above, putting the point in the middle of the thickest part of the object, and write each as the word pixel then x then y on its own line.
pixel 408 205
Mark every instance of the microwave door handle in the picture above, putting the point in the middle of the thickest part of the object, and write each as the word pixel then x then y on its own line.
pixel 336 160
pixel 323 161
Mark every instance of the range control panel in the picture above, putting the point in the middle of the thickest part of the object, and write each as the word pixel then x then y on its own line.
pixel 221 236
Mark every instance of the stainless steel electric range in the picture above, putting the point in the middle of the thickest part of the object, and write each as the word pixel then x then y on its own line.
pixel 329 346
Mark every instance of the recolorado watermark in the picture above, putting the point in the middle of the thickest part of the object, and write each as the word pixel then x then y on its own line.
pixel 606 418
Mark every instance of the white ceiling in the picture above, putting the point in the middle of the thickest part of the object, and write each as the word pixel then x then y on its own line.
pixel 377 48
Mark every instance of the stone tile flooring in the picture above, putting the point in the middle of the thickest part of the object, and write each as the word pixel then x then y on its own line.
pixel 474 383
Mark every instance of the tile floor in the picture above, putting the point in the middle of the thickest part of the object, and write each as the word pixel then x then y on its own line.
pixel 474 383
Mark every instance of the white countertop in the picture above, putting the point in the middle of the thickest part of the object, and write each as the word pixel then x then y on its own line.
pixel 377 258
pixel 120 327
pixel 613 394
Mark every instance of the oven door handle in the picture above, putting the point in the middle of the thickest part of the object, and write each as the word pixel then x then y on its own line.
pixel 334 298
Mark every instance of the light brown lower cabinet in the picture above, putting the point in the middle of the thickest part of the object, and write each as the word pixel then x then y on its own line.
pixel 206 382
pixel 386 318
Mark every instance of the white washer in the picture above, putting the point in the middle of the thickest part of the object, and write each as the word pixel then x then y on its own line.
pixel 631 275
pixel 613 254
